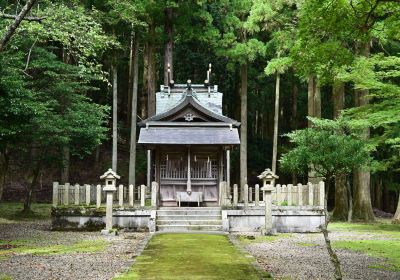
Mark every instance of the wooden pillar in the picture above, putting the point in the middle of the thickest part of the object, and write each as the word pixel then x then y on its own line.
pixel 189 183
pixel 228 168
pixel 148 168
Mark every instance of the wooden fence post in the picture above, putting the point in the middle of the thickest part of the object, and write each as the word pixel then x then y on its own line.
pixel 87 194
pixel 98 196
pixel 131 195
pixel 142 195
pixel 235 195
pixel 310 194
pixel 154 193
pixel 246 196
pixel 257 195
pixel 278 194
pixel 289 196
pixel 250 194
pixel 55 194
pixel 121 195
pixel 76 187
pixel 300 194
pixel 322 193
pixel 66 193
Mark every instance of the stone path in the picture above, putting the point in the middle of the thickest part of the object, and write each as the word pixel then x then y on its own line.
pixel 304 256
pixel 118 255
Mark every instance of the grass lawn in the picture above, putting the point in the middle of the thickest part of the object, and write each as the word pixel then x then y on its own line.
pixel 192 256
pixel 12 211
pixel 386 245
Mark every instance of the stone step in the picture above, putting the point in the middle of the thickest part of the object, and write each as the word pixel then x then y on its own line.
pixel 188 217
pixel 184 228
pixel 185 212
pixel 189 208
pixel 189 222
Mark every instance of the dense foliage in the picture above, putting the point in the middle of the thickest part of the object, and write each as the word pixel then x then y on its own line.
pixel 330 58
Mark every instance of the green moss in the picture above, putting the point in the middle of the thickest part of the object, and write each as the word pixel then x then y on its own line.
pixel 13 211
pixel 85 246
pixel 192 256
pixel 5 277
pixel 382 226
pixel 388 249
pixel 244 239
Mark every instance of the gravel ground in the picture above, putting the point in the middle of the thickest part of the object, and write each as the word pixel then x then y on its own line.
pixel 118 256
pixel 295 258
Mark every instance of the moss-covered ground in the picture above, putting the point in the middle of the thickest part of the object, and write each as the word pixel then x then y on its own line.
pixel 384 241
pixel 13 211
pixel 27 247
pixel 193 256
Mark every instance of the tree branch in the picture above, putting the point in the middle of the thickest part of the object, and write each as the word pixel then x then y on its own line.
pixel 13 27
pixel 9 16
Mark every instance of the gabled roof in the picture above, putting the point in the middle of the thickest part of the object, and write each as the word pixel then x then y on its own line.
pixel 190 102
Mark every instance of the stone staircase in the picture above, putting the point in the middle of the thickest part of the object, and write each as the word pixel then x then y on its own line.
pixel 186 219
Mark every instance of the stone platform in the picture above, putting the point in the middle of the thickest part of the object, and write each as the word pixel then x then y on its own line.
pixel 188 219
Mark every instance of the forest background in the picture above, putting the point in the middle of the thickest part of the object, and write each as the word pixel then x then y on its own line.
pixel 69 63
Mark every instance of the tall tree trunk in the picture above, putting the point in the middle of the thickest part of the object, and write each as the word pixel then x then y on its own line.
pixel 378 193
pixel 295 91
pixel 169 45
pixel 362 193
pixel 4 163
pixel 151 72
pixel 341 209
pixel 243 128
pixel 314 110
pixel 13 26
pixel 115 118
pixel 314 98
pixel 130 82
pixel 396 218
pixel 65 164
pixel 35 161
pixel 276 120
pixel 132 152
pixel 144 97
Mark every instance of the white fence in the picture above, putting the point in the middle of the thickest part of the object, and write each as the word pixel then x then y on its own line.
pixel 284 195
pixel 68 194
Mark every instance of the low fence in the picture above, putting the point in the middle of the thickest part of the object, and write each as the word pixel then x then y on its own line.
pixel 86 194
pixel 283 195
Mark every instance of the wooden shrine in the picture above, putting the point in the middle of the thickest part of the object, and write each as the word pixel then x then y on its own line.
pixel 188 144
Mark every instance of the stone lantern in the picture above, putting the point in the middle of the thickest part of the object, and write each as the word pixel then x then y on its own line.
pixel 268 176
pixel 110 178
